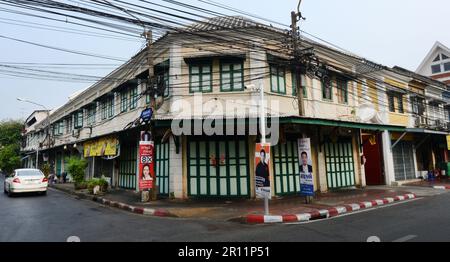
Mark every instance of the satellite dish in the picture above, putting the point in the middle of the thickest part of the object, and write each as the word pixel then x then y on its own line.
pixel 368 114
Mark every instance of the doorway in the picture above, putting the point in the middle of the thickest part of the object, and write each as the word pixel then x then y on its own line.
pixel 374 161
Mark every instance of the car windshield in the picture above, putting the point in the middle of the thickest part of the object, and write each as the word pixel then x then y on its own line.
pixel 29 173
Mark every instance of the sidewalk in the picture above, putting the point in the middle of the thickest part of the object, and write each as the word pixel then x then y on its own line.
pixel 443 184
pixel 287 209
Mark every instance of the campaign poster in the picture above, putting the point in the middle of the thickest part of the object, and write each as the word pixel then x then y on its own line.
pixel 146 165
pixel 305 167
pixel 262 170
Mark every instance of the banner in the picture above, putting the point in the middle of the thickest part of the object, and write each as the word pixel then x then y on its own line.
pixel 101 147
pixel 146 164
pixel 262 170
pixel 448 142
pixel 305 167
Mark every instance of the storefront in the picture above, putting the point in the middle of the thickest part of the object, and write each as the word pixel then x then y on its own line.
pixel 402 147
pixel 218 167
pixel 339 162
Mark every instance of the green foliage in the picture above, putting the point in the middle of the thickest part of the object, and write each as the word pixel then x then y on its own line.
pixel 102 183
pixel 76 167
pixel 9 158
pixel 10 132
pixel 10 135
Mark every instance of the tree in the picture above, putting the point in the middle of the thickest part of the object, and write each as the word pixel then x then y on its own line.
pixel 9 158
pixel 10 132
pixel 10 137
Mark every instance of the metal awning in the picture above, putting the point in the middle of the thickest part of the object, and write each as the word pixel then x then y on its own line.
pixel 426 131
pixel 309 121
pixel 336 123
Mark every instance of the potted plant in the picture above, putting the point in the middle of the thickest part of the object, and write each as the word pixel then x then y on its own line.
pixel 76 167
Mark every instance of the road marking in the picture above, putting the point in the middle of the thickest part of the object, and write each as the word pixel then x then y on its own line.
pixel 374 239
pixel 73 239
pixel 354 212
pixel 405 239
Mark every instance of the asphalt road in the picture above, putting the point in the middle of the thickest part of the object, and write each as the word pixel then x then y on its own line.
pixel 58 216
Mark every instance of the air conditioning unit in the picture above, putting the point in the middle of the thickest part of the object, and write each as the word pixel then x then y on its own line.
pixel 421 121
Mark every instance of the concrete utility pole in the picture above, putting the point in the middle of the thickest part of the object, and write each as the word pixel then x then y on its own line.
pixel 295 18
pixel 152 193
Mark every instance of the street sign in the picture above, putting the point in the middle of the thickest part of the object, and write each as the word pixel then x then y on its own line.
pixel 147 114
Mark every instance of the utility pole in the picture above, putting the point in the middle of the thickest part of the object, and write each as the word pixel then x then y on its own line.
pixel 295 18
pixel 152 193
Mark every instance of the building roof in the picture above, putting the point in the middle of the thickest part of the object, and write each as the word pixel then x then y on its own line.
pixel 225 22
pixel 428 57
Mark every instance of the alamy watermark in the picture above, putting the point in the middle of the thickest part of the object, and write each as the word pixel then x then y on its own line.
pixel 211 116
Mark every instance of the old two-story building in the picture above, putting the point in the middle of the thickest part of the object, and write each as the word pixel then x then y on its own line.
pixel 354 112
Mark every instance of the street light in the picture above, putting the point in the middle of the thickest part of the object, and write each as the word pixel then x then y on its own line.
pixel 47 119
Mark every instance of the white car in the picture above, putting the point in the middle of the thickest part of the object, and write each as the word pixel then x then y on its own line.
pixel 26 180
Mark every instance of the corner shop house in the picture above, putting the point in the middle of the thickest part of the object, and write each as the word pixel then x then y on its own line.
pixel 198 165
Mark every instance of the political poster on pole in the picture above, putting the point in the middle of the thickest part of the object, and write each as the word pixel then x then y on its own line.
pixel 146 164
pixel 305 167
pixel 262 170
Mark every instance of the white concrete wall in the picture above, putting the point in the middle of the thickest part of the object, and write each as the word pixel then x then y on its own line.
pixel 176 169
pixel 388 158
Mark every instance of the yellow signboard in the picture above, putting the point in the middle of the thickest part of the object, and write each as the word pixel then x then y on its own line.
pixel 448 142
pixel 102 147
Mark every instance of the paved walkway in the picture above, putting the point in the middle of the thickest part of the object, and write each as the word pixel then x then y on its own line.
pixel 239 209
pixel 443 183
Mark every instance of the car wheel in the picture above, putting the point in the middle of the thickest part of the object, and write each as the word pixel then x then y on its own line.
pixel 10 194
pixel 44 193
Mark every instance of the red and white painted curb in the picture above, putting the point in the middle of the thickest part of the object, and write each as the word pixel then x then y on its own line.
pixel 442 187
pixel 326 213
pixel 133 209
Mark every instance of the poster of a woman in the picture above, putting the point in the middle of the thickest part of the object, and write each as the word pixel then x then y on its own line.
pixel 146 176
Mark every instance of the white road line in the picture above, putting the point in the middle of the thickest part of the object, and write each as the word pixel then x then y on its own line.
pixel 405 239
pixel 355 212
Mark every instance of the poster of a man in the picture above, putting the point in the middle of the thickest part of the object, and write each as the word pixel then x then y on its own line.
pixel 305 167
pixel 262 170
pixel 306 172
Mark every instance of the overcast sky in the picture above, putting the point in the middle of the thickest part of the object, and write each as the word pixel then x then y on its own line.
pixel 399 32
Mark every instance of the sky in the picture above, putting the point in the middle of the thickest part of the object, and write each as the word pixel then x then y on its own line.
pixel 389 32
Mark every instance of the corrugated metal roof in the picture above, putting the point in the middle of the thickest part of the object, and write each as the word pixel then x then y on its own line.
pixel 225 22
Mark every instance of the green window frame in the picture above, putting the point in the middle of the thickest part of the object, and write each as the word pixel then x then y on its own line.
pixel 133 97
pixel 111 107
pixel 327 92
pixel 104 110
pixel 278 79
pixel 294 85
pixel 78 122
pixel 342 88
pixel 231 76
pixel 91 112
pixel 200 78
pixel 123 102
